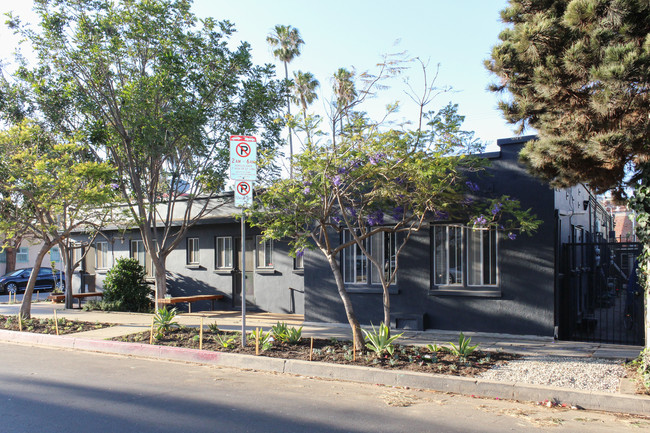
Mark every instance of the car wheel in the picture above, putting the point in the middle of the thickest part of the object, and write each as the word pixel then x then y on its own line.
pixel 11 288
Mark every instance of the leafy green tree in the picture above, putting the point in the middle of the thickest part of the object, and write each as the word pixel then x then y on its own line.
pixel 125 288
pixel 156 92
pixel 579 73
pixel 48 191
pixel 286 41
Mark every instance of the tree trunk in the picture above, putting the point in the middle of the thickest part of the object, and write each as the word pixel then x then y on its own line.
pixel 386 299
pixel 347 302
pixel 160 274
pixel 67 259
pixel 11 259
pixel 26 305
pixel 286 75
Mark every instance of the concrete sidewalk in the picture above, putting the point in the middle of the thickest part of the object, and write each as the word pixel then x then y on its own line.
pixel 127 323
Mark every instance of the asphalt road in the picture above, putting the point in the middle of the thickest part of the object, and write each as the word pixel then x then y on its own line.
pixel 51 390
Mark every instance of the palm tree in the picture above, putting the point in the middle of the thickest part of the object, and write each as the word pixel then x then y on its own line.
pixel 304 90
pixel 345 93
pixel 287 41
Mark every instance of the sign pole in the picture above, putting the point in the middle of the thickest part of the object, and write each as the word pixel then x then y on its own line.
pixel 243 166
pixel 243 279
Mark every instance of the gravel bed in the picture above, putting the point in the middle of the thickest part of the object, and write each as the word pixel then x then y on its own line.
pixel 592 374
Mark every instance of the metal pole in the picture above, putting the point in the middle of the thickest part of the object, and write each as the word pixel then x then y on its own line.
pixel 243 279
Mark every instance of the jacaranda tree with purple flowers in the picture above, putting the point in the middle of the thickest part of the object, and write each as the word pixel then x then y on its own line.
pixel 372 181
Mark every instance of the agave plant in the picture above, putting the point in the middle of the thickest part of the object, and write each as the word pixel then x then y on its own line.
pixel 164 320
pixel 379 340
pixel 463 350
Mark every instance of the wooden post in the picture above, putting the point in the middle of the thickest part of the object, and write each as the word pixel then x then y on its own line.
pixel 56 323
pixel 20 322
pixel 201 335
pixel 37 294
pixel 311 348
pixel 151 333
pixel 257 341
pixel 354 344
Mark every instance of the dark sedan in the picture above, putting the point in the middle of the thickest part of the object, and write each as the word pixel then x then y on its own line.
pixel 16 281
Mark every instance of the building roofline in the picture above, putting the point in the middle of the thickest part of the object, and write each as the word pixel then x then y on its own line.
pixel 515 140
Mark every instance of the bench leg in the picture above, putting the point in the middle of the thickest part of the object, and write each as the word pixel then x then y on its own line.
pixel 189 307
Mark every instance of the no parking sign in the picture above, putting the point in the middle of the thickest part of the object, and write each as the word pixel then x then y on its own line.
pixel 243 157
pixel 243 193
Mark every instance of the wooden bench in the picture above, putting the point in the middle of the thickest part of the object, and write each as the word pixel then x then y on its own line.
pixel 80 296
pixel 189 300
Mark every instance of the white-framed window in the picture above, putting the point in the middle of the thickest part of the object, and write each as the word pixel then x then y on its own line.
pixel 138 252
pixel 193 251
pixel 299 261
pixel 223 252
pixel 358 269
pixel 101 255
pixel 55 254
pixel 447 255
pixel 482 257
pixel 3 255
pixel 464 256
pixel 22 255
pixel 264 256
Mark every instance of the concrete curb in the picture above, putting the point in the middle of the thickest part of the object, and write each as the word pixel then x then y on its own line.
pixel 631 404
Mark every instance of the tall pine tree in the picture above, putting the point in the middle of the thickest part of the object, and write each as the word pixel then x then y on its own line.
pixel 579 73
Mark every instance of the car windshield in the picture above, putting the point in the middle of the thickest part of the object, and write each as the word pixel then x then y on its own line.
pixel 16 273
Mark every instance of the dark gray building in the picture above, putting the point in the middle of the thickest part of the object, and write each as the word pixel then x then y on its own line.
pixel 450 276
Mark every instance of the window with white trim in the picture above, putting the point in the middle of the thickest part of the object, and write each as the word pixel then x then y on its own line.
pixel 138 252
pixel 22 255
pixel 101 255
pixel 193 251
pixel 223 253
pixel 464 256
pixel 299 261
pixel 358 269
pixel 3 256
pixel 264 253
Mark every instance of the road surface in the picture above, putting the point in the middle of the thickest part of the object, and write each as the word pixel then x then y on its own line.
pixel 53 390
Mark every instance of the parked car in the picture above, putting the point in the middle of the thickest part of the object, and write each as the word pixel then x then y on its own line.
pixel 17 280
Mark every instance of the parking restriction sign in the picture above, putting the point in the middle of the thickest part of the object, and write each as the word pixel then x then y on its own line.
pixel 243 157
pixel 243 193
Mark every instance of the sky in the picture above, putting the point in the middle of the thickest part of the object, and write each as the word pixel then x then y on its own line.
pixel 457 35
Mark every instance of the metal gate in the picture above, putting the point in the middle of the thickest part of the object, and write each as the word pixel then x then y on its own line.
pixel 597 301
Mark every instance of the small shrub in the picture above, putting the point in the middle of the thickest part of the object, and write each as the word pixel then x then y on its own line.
pixel 294 335
pixel 379 340
pixel 642 364
pixel 125 288
pixel 213 327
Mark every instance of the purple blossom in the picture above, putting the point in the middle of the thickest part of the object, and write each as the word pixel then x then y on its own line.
pixel 373 160
pixel 376 218
pixel 440 215
pixel 512 236
pixel 342 170
pixel 307 190
pixel 398 212
pixel 352 211
pixel 300 253
pixel 114 186
pixel 306 183
pixel 467 201
pixel 355 164
pixel 472 186
pixel 399 181
pixel 336 180
pixel 480 221
pixel 337 219
pixel 497 208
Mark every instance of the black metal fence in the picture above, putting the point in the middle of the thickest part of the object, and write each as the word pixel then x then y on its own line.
pixel 597 299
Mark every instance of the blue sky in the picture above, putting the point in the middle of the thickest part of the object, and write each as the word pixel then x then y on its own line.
pixel 356 34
